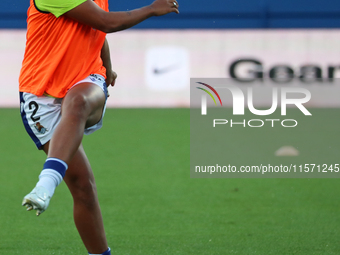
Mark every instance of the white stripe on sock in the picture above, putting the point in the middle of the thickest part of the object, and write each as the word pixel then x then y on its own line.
pixel 59 160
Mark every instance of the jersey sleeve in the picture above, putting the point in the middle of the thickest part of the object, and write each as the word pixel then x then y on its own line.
pixel 57 7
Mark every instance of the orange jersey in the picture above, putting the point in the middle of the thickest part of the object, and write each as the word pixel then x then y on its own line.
pixel 59 53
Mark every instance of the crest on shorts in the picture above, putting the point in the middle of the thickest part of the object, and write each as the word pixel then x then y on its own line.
pixel 40 128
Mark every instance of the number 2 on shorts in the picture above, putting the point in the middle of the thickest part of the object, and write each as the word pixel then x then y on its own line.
pixel 36 107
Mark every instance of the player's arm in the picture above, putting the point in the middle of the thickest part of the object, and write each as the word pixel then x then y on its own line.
pixel 91 14
pixel 105 56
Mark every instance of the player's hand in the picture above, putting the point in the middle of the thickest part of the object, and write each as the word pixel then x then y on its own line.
pixel 111 77
pixel 162 7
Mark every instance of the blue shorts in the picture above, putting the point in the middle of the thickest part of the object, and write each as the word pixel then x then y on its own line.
pixel 42 114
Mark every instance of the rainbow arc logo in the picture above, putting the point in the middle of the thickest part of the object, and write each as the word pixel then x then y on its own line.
pixel 209 93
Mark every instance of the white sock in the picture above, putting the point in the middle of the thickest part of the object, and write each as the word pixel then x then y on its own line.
pixel 52 174
pixel 49 179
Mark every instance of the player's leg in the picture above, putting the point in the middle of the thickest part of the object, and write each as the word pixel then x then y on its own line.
pixel 82 107
pixel 87 215
pixel 79 177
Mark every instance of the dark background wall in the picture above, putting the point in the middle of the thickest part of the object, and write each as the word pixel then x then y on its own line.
pixel 214 14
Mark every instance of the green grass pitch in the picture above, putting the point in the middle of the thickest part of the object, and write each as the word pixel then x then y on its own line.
pixel 150 204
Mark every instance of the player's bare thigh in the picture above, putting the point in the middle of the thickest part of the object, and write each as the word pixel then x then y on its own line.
pixel 88 95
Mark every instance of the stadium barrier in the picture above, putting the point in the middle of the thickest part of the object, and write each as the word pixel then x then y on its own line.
pixel 155 66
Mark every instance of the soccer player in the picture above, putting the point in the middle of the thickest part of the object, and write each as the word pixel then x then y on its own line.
pixel 63 91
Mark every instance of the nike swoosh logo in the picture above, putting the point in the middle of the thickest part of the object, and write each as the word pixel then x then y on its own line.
pixel 165 69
